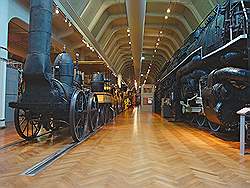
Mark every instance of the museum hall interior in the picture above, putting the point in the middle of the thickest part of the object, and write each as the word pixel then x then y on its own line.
pixel 125 93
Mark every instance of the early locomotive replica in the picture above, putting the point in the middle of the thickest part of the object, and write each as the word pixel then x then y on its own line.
pixel 53 96
pixel 210 71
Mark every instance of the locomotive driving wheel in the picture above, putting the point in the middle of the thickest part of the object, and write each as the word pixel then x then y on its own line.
pixel 78 117
pixel 200 120
pixel 93 112
pixel 213 126
pixel 26 126
pixel 102 113
pixel 110 113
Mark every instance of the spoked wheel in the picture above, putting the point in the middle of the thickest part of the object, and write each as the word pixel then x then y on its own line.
pixel 93 112
pixel 190 118
pixel 214 127
pixel 200 120
pixel 78 116
pixel 26 126
pixel 106 114
pixel 112 113
pixel 102 112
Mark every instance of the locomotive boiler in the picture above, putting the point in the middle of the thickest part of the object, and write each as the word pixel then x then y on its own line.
pixel 210 71
pixel 53 96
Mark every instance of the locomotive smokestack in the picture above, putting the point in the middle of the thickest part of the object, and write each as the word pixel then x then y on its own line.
pixel 37 65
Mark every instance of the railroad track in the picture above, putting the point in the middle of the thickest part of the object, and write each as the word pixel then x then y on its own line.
pixel 47 161
pixel 18 142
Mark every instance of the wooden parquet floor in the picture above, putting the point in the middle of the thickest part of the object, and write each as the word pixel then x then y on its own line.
pixel 137 150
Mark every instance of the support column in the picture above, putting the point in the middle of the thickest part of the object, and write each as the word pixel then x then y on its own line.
pixel 4 19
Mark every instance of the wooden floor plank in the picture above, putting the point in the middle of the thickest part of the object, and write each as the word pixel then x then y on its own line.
pixel 138 149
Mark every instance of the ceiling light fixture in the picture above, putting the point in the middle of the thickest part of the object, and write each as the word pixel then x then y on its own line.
pixel 70 24
pixel 128 30
pixel 66 20
pixel 57 10
pixel 84 41
pixel 160 32
pixel 158 39
pixel 129 42
pixel 166 17
pixel 168 10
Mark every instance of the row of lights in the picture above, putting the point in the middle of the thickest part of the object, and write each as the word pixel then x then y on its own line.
pixel 129 42
pixel 156 45
pixel 89 46
pixel 66 20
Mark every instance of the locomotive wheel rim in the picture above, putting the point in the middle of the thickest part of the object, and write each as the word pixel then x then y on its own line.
pixel 200 120
pixel 214 127
pixel 106 115
pixel 26 127
pixel 78 116
pixel 93 112
pixel 101 115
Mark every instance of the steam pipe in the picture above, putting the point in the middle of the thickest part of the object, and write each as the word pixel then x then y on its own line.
pixel 136 19
pixel 230 73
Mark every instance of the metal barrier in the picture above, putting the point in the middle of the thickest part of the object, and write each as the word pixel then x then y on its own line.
pixel 3 62
pixel 244 112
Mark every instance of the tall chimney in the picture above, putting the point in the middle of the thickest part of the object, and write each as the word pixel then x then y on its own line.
pixel 37 69
pixel 37 65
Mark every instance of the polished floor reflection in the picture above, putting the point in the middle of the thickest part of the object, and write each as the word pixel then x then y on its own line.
pixel 137 150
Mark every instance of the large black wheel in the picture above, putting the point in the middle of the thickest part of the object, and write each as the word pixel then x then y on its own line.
pixel 200 120
pixel 78 116
pixel 26 125
pixel 93 112
pixel 102 116
pixel 189 117
pixel 214 127
pixel 112 113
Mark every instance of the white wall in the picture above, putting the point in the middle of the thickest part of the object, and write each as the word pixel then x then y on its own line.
pixel 8 9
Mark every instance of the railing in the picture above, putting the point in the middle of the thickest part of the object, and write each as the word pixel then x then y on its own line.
pixel 11 62
pixel 15 64
pixel 2 58
pixel 245 15
pixel 240 10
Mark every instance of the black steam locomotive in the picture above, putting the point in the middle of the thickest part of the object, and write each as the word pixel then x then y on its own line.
pixel 53 96
pixel 210 71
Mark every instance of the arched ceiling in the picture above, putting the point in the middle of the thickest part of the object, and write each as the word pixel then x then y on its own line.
pixel 107 21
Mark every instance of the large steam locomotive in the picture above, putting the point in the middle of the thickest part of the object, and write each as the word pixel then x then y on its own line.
pixel 53 96
pixel 210 71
